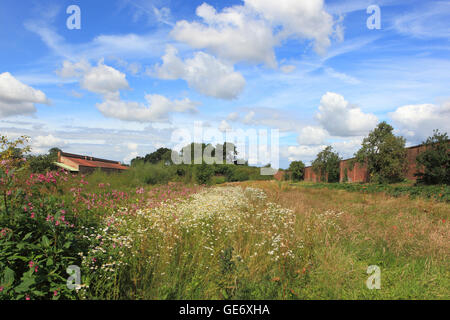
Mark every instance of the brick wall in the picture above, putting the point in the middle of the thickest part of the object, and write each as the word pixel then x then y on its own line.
pixel 310 175
pixel 358 173
pixel 411 154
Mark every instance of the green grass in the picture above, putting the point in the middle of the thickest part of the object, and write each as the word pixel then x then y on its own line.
pixel 435 192
pixel 241 240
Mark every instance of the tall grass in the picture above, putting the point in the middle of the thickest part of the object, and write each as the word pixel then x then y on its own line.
pixel 238 242
pixel 154 174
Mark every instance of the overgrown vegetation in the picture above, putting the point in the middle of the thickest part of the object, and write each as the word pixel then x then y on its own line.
pixel 244 240
pixel 384 153
pixel 326 165
pixel 297 170
pixel 434 162
pixel 434 192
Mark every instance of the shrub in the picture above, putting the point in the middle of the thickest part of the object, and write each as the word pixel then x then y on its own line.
pixel 287 176
pixel 297 169
pixel 203 173
pixel 219 180
pixel 156 174
pixel 238 174
pixel 435 160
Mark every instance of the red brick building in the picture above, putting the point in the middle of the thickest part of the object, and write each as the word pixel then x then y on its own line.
pixel 86 164
pixel 359 173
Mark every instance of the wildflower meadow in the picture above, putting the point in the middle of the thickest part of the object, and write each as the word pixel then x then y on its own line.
pixel 238 240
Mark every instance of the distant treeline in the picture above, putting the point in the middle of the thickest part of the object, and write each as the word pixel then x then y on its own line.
pixel 200 163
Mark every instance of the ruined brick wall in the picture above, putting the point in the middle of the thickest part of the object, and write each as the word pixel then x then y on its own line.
pixel 310 175
pixel 357 173
pixel 280 175
pixel 411 155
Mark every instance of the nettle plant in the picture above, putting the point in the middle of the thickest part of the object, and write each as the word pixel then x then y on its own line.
pixel 38 232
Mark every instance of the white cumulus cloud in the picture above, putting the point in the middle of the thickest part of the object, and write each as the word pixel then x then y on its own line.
pixel 204 73
pixel 312 135
pixel 301 19
pixel 108 82
pixel 17 98
pixel 417 122
pixel 156 109
pixel 42 143
pixel 340 118
pixel 101 79
pixel 250 32
pixel 234 34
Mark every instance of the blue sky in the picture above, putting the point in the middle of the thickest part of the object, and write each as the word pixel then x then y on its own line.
pixel 138 70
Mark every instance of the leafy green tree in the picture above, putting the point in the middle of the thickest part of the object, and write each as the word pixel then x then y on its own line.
pixel 137 160
pixel 326 165
pixel 434 162
pixel 297 169
pixel 384 153
pixel 162 154
pixel 53 153
pixel 226 153
pixel 43 162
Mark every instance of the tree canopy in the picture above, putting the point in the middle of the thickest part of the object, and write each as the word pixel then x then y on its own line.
pixel 434 162
pixel 326 165
pixel 297 169
pixel 384 153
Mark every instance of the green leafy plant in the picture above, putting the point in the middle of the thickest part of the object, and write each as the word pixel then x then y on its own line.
pixel 297 170
pixel 434 162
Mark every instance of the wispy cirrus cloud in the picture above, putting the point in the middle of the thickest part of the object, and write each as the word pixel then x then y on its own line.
pixel 431 20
